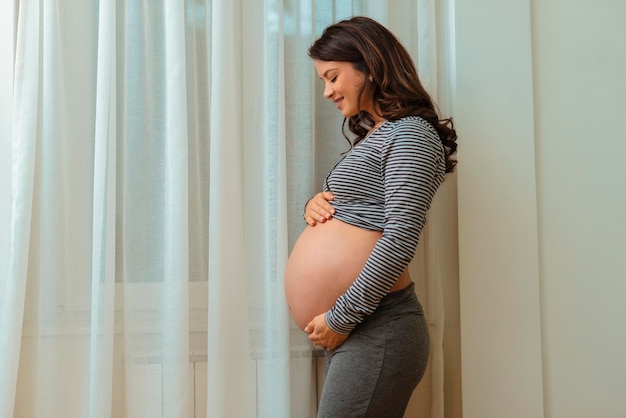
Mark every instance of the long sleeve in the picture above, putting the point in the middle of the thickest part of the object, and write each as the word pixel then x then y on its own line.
pixel 410 157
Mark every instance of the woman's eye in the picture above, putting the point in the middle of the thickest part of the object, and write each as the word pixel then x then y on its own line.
pixel 332 80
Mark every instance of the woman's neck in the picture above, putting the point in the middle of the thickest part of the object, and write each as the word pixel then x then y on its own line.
pixel 376 126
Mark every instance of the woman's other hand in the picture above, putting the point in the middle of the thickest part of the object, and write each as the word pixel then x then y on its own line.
pixel 320 334
pixel 318 209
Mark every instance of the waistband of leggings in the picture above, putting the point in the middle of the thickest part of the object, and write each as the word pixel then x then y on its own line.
pixel 398 297
pixel 394 305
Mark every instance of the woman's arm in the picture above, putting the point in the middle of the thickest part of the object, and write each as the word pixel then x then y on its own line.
pixel 412 167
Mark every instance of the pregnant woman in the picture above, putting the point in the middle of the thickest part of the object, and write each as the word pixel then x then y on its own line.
pixel 346 281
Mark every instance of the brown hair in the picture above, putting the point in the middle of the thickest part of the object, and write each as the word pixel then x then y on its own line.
pixel 395 88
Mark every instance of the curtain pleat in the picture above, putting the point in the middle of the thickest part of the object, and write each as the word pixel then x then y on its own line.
pixel 103 235
pixel 231 371
pixel 175 333
pixel 25 130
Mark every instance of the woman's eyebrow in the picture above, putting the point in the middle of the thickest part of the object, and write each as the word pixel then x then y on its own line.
pixel 325 75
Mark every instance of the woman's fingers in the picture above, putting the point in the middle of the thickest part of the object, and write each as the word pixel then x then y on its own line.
pixel 318 209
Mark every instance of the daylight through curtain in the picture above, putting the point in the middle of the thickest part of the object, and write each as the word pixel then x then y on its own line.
pixel 161 156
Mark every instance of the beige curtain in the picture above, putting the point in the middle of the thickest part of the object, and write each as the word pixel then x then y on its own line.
pixel 161 153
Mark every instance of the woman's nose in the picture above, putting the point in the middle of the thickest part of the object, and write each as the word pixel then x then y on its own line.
pixel 328 91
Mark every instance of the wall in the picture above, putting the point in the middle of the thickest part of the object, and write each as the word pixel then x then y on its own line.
pixel 580 101
pixel 540 93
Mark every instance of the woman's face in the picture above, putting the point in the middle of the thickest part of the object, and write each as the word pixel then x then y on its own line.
pixel 342 83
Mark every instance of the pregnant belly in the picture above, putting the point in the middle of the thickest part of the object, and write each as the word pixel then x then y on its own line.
pixel 324 262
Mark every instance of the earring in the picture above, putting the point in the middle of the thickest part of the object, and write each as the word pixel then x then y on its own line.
pixel 371 78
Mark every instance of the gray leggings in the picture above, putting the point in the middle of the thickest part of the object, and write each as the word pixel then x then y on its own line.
pixel 374 372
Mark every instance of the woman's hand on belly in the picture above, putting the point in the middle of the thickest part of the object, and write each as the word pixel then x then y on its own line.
pixel 317 209
pixel 320 334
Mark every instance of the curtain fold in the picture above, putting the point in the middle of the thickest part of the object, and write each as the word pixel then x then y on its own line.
pixel 231 376
pixel 103 235
pixel 25 129
pixel 264 203
pixel 175 333
pixel 162 153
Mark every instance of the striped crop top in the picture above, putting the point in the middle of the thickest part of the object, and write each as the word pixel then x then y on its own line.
pixel 385 183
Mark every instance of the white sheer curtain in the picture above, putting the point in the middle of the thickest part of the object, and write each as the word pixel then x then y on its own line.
pixel 161 155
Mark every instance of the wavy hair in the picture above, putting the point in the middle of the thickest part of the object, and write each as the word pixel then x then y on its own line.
pixel 395 89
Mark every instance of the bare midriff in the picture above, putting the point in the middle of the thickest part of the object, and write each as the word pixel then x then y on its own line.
pixel 324 262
